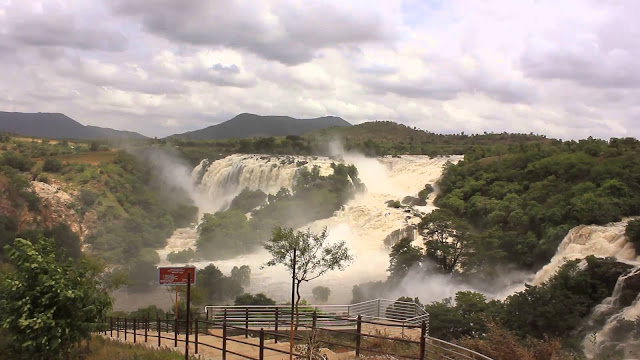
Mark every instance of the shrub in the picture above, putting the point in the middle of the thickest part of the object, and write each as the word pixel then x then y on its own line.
pixel 52 165
pixel 633 232
pixel 16 161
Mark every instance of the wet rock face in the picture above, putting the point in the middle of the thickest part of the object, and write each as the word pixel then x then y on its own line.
pixel 630 290
pixel 413 201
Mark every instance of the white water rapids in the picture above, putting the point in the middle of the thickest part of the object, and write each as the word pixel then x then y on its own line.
pixel 363 223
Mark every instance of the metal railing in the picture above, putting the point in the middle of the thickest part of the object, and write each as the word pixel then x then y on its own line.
pixel 392 311
pixel 349 333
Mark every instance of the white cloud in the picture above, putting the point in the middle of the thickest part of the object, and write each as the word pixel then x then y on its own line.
pixel 566 69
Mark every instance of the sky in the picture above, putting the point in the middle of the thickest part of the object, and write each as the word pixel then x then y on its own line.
pixel 568 69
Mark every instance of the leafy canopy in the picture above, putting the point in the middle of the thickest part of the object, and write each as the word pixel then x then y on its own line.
pixel 48 303
pixel 314 255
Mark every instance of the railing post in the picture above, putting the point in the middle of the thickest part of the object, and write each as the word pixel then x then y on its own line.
pixel 276 327
pixel 206 324
pixel 379 306
pixel 135 332
pixel 159 329
pixel 110 326
pixel 118 327
pixel 166 321
pixel 224 337
pixel 146 328
pixel 175 332
pixel 358 332
pixel 225 316
pixel 125 328
pixel 315 319
pixel 423 339
pixel 261 356
pixel 246 322
pixel 196 335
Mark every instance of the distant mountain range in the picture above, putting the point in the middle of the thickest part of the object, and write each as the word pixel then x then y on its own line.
pixel 57 126
pixel 251 125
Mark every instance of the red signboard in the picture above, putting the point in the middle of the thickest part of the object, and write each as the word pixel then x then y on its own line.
pixel 169 275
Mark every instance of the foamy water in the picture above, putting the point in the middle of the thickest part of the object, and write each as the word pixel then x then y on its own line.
pixel 363 223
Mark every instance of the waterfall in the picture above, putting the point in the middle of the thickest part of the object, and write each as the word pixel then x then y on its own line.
pixel 364 222
pixel 603 241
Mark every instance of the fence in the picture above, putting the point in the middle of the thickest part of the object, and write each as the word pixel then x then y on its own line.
pixel 260 331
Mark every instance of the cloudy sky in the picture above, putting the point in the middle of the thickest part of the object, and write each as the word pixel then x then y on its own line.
pixel 568 69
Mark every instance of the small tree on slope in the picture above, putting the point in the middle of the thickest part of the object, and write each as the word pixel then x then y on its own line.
pixel 49 304
pixel 314 257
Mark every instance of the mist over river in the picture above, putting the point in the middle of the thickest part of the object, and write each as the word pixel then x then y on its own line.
pixel 364 222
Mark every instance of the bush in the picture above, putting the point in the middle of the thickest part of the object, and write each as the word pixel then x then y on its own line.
pixel 257 299
pixel 16 161
pixel 182 256
pixel 424 193
pixel 633 233
pixel 321 293
pixel 52 165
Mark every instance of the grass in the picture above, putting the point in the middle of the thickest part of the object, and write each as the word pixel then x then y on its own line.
pixel 107 349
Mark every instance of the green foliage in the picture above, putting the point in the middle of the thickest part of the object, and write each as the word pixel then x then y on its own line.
pixel 66 241
pixel 558 306
pixel 248 200
pixel 402 258
pixel 467 315
pixel 229 233
pixel 183 256
pixel 257 299
pixel 521 202
pixel 242 275
pixel 321 293
pixel 16 161
pixel 554 309
pixel 224 233
pixel 52 165
pixel 314 257
pixel 633 232
pixel 394 204
pixel 216 287
pixel 424 193
pixel 446 239
pixel 49 304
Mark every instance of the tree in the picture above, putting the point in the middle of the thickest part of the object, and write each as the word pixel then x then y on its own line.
pixel 402 258
pixel 321 293
pixel 49 304
pixel 242 275
pixel 257 299
pixel 314 256
pixel 633 233
pixel 446 239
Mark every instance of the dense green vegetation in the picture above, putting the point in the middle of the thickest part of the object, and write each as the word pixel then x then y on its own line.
pixel 228 233
pixel 372 138
pixel 127 206
pixel 49 303
pixel 554 309
pixel 521 200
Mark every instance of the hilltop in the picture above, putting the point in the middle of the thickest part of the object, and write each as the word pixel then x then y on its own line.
pixel 250 125
pixel 57 126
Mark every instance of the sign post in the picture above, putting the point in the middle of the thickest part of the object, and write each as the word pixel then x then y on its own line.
pixel 173 276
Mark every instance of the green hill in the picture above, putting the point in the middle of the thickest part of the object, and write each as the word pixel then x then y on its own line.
pixel 251 125
pixel 57 126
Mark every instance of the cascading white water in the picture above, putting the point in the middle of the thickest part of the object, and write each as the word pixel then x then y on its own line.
pixel 601 241
pixel 222 180
pixel 363 223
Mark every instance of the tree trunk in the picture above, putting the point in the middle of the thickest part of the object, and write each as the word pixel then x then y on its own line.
pixel 297 303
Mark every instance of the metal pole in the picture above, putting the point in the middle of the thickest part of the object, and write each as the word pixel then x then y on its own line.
pixel 159 329
pixel 196 334
pixel 135 330
pixel 246 323
pixel 358 332
pixel 125 329
pixel 118 327
pixel 423 339
pixel 261 354
pixel 293 296
pixel 224 338
pixel 146 328
pixel 186 346
pixel 111 326
pixel 276 327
